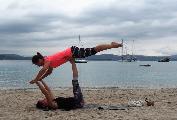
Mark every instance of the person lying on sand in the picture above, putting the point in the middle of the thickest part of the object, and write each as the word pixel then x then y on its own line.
pixel 69 54
pixel 50 102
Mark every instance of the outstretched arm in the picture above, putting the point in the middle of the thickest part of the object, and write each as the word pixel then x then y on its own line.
pixel 48 89
pixel 47 72
pixel 74 69
pixel 47 94
pixel 44 72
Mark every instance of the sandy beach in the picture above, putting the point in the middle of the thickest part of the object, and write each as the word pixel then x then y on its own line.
pixel 20 105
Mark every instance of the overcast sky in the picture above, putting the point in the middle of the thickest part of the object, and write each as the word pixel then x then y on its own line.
pixel 48 26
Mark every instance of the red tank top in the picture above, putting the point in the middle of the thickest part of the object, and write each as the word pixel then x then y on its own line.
pixel 59 58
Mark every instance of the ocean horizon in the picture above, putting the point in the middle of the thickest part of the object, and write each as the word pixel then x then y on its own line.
pixel 16 74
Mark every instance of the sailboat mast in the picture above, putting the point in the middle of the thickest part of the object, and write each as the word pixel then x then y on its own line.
pixel 122 49
pixel 79 40
pixel 132 48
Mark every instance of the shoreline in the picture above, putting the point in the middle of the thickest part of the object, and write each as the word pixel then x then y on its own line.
pixel 20 104
pixel 90 88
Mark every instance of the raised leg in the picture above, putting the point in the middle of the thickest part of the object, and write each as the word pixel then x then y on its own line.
pixel 77 94
pixel 85 52
pixel 102 47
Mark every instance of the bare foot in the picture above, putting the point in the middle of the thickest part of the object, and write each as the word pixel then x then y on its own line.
pixel 115 45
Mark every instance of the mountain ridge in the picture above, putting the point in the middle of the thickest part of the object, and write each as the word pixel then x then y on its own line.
pixel 109 57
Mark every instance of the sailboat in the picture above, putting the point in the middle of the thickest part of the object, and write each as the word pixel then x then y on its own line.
pixel 166 59
pixel 80 60
pixel 128 57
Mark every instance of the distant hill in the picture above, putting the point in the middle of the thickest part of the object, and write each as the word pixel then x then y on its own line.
pixel 104 57
pixel 139 57
pixel 109 57
pixel 13 57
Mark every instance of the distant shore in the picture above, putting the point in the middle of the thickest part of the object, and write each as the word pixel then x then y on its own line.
pixel 102 57
pixel 20 104
pixel 86 88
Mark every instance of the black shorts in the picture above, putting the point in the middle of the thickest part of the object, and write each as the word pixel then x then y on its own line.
pixel 82 52
pixel 71 102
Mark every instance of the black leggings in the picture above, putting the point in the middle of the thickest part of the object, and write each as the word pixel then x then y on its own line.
pixel 77 94
pixel 71 102
pixel 82 52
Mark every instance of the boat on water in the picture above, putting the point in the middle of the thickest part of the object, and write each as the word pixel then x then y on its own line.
pixel 146 65
pixel 80 60
pixel 166 59
pixel 128 57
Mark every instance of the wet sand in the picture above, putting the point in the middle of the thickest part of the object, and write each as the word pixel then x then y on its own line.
pixel 20 105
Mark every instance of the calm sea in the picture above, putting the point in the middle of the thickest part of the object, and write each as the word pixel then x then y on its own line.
pixel 17 74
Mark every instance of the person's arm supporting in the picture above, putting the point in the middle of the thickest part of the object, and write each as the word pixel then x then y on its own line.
pixel 47 94
pixel 44 72
pixel 74 69
pixel 47 72
pixel 48 89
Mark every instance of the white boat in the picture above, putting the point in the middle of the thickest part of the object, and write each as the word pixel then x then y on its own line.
pixel 80 60
pixel 166 59
pixel 128 57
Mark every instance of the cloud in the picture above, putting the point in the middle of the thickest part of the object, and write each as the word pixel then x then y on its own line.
pixel 28 26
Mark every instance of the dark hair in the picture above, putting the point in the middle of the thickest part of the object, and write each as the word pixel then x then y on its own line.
pixel 36 58
pixel 40 105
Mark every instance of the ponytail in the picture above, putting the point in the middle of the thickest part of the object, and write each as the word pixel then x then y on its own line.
pixel 36 58
pixel 39 54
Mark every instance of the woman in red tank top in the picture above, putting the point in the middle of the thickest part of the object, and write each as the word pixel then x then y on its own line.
pixel 69 54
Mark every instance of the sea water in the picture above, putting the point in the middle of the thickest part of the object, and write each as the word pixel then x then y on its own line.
pixel 16 74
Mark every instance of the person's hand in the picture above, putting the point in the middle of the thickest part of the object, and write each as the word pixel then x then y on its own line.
pixel 32 81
